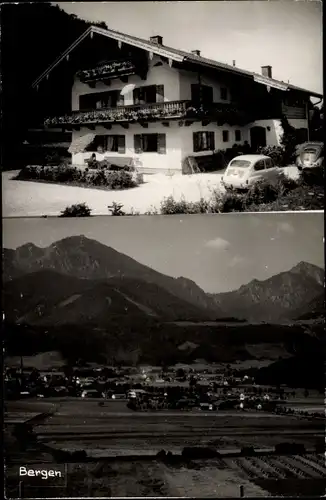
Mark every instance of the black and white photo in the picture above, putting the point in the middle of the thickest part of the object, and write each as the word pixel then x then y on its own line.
pixel 162 107
pixel 164 356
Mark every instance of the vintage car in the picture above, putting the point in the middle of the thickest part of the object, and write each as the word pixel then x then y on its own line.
pixel 310 155
pixel 245 170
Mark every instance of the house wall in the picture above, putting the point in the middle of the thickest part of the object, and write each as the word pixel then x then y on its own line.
pixel 187 78
pixel 274 135
pixel 179 144
pixel 157 75
pixel 149 162
pixel 186 134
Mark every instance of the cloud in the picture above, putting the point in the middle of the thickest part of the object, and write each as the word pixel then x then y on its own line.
pixel 236 261
pixel 218 244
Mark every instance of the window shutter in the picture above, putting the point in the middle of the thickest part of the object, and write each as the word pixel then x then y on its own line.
pixel 137 143
pixel 121 144
pixel 161 144
pixel 136 94
pixel 159 93
pixel 207 94
pixel 120 99
pixel 195 94
pixel 210 95
pixel 196 141
pixel 211 141
pixel 82 102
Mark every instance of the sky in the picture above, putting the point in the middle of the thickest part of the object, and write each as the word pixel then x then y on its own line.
pixel 285 34
pixel 218 252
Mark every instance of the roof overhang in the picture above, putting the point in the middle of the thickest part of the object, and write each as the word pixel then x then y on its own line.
pixel 269 82
pixel 173 55
pixel 119 37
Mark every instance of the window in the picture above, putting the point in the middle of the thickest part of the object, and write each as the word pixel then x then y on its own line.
pixel 203 141
pixel 224 94
pixel 108 143
pixel 269 163
pixel 201 94
pixel 260 165
pixel 99 100
pixel 149 94
pixel 150 143
pixel 240 163
pixel 225 135
pixel 238 135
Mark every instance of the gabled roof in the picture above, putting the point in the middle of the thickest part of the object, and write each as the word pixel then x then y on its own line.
pixel 173 54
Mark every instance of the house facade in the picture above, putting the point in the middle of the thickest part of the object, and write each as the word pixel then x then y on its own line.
pixel 137 100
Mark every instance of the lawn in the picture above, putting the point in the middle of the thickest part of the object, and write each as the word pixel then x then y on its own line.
pixel 26 198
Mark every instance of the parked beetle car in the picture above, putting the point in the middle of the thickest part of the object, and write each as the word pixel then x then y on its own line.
pixel 310 155
pixel 245 170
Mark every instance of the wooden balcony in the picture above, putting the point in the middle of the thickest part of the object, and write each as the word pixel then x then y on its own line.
pixel 181 110
pixel 294 112
pixel 106 71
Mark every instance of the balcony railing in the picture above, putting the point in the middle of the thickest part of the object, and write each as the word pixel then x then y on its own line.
pixel 151 112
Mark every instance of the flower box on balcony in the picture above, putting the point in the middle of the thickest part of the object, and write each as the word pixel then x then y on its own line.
pixel 113 69
pixel 151 112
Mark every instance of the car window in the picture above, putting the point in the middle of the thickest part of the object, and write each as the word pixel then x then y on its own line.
pixel 269 163
pixel 260 165
pixel 240 163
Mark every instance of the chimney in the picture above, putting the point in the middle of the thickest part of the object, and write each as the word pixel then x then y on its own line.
pixel 156 39
pixel 233 62
pixel 266 71
pixel 196 52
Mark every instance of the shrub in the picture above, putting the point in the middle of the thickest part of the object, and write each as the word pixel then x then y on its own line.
pixel 120 180
pixel 277 153
pixel 116 209
pixel 261 192
pixel 229 202
pixel 79 210
pixel 66 173
pixel 170 206
pixel 265 192
pixel 314 176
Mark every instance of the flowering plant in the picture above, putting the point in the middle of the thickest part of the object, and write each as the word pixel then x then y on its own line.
pixel 107 69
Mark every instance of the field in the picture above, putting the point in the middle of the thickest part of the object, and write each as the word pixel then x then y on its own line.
pixel 119 443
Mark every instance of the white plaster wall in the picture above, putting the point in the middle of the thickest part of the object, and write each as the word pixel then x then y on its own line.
pixel 298 122
pixel 186 134
pixel 157 75
pixel 187 78
pixel 274 135
pixel 149 161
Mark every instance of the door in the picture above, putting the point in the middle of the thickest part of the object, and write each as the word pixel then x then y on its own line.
pixel 257 138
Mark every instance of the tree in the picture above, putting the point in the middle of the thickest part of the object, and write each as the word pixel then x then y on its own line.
pixel 288 140
pixel 26 29
pixel 317 124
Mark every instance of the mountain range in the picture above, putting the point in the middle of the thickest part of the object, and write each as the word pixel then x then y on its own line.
pixel 78 280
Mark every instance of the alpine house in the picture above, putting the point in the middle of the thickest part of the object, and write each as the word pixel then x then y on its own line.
pixel 139 101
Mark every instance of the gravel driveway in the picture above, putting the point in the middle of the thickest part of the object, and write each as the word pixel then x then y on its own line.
pixel 25 198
